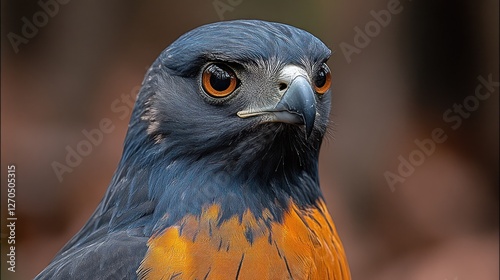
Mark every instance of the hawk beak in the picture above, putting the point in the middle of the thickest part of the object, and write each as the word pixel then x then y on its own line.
pixel 298 105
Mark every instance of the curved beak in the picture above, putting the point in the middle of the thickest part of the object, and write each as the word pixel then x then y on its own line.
pixel 296 106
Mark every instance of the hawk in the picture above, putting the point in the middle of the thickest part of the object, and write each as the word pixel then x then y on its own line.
pixel 219 173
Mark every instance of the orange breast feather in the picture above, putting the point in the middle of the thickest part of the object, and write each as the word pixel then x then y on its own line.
pixel 304 246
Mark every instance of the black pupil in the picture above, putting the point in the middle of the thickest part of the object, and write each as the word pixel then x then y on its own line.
pixel 320 80
pixel 220 79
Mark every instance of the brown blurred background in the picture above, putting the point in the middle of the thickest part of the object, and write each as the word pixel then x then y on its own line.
pixel 440 223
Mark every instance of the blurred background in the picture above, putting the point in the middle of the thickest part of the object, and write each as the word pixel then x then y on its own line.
pixel 66 65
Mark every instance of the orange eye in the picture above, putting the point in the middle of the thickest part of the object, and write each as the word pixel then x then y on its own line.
pixel 219 80
pixel 323 80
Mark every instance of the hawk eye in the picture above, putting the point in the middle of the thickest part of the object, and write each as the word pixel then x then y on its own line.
pixel 218 80
pixel 323 79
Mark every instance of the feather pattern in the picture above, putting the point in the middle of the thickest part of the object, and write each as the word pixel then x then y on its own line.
pixel 201 193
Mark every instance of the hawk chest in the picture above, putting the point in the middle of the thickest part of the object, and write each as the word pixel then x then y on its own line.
pixel 304 245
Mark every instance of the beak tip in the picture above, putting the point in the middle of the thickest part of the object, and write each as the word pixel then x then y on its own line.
pixel 309 125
